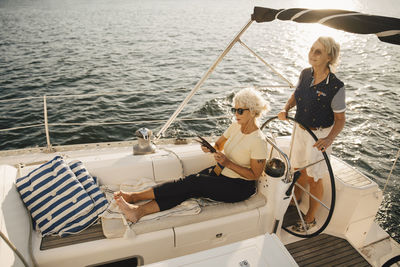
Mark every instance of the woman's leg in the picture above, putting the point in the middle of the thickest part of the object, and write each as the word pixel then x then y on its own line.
pixel 134 212
pixel 218 188
pixel 133 197
pixel 303 180
pixel 147 194
pixel 171 194
pixel 317 190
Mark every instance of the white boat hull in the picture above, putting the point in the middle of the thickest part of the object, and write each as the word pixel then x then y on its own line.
pixel 358 200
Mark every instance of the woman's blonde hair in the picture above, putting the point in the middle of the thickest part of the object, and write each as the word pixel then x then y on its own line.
pixel 333 50
pixel 252 99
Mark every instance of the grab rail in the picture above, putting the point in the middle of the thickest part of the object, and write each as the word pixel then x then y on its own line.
pixel 289 168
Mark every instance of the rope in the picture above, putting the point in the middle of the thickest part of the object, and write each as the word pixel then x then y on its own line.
pixel 177 156
pixel 265 63
pixel 18 99
pixel 14 249
pixel 64 96
pixel 134 122
pixel 21 127
pixel 202 80
pixel 111 123
pixel 390 174
pixel 30 248
pixel 122 93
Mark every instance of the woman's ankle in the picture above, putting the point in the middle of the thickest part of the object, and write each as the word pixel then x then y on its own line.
pixel 309 219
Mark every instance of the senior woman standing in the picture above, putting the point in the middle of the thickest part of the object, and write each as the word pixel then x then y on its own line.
pixel 320 101
pixel 241 151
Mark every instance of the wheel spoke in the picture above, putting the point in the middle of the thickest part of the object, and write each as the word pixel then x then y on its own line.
pixel 311 195
pixel 309 165
pixel 299 212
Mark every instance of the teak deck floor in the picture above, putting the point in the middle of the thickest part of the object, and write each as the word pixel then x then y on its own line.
pixel 94 232
pixel 325 250
pixel 322 250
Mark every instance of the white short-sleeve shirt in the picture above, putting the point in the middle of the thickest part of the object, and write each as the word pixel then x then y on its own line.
pixel 240 148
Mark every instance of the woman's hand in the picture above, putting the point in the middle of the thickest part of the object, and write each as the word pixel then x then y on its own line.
pixel 205 149
pixel 282 115
pixel 221 159
pixel 323 143
pixel 219 145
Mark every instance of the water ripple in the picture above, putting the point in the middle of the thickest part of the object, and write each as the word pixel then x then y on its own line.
pixel 150 54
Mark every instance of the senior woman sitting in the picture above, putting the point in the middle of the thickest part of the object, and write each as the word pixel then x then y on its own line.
pixel 241 151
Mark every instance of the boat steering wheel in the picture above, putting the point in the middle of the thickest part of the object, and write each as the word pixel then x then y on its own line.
pixel 296 174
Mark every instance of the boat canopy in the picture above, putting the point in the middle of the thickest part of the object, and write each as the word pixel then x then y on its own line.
pixel 386 28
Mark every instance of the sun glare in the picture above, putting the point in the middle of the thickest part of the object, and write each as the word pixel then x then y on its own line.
pixel 337 4
pixel 308 33
pixel 313 31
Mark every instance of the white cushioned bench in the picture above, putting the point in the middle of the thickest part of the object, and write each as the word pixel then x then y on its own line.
pixel 207 213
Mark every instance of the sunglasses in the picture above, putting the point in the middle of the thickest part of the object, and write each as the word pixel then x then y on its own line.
pixel 316 52
pixel 238 110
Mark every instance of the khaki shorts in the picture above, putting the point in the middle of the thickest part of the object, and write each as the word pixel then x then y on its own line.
pixel 303 152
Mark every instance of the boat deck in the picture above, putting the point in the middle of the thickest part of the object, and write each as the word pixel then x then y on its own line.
pixel 325 250
pixel 348 175
pixel 322 250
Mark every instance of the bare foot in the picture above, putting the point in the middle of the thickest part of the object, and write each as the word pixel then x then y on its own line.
pixel 127 196
pixel 132 212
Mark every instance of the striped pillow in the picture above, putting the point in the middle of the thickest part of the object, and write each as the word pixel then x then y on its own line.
pixel 54 196
pixel 93 190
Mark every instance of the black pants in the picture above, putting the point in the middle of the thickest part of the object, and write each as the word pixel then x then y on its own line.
pixel 204 184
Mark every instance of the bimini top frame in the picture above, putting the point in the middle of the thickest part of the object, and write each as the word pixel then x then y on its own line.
pixel 387 29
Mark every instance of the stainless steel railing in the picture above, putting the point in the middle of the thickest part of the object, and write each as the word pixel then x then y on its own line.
pixel 46 124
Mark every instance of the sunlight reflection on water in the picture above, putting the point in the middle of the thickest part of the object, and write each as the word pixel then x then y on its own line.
pixel 156 51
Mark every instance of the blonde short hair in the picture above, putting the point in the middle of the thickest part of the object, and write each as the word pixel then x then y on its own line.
pixel 333 50
pixel 252 99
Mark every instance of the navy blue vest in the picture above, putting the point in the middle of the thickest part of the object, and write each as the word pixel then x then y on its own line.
pixel 314 101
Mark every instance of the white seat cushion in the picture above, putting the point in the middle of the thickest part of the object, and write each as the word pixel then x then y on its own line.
pixel 207 213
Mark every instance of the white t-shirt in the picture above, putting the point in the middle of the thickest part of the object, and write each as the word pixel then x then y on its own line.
pixel 240 148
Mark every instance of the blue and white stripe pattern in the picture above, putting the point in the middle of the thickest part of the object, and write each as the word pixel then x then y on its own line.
pixel 93 190
pixel 54 196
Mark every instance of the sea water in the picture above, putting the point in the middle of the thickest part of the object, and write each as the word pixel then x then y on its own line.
pixel 134 61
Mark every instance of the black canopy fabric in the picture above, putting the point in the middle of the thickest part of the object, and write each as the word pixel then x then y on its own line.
pixel 386 28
